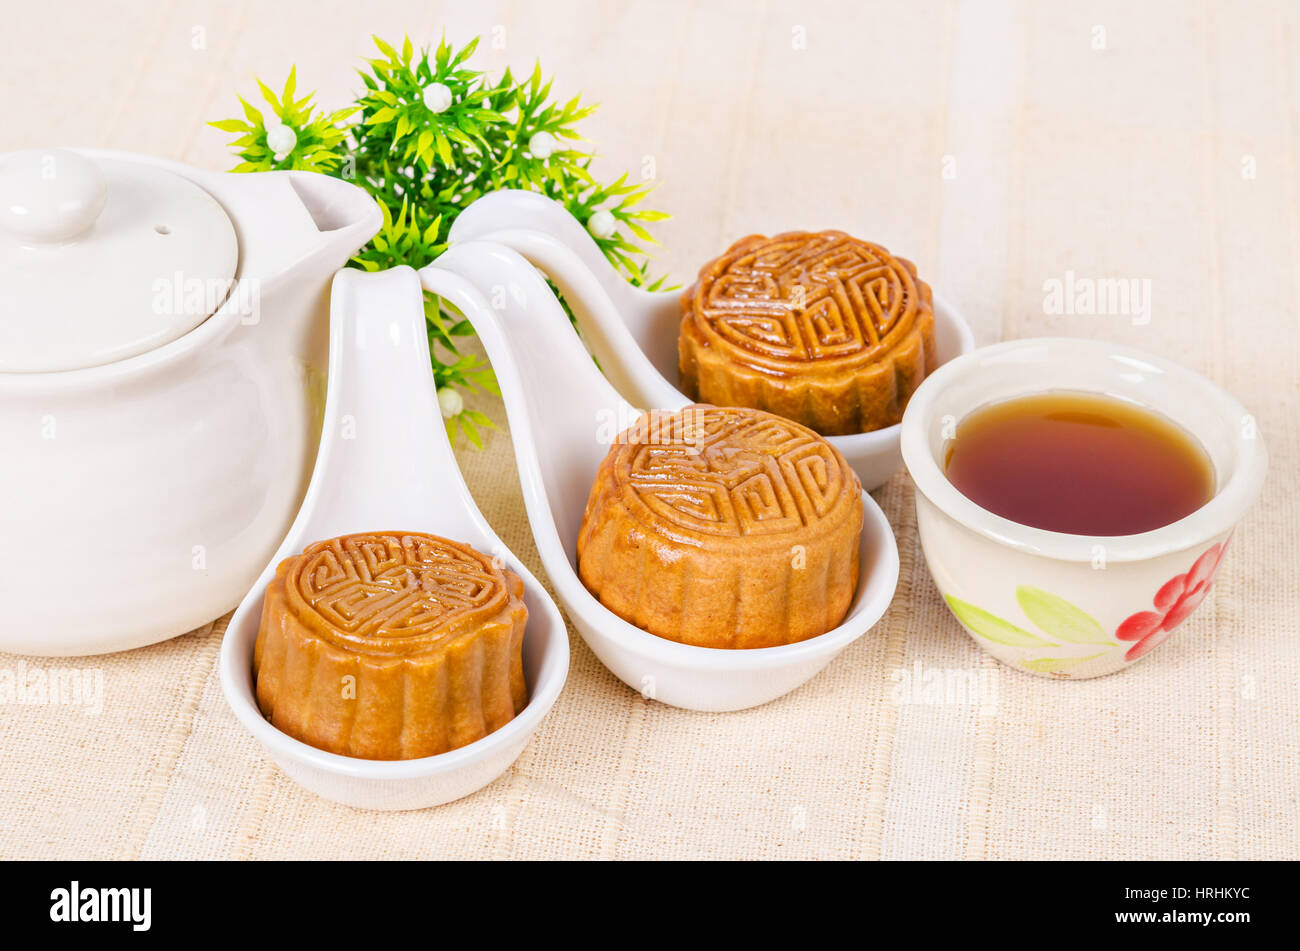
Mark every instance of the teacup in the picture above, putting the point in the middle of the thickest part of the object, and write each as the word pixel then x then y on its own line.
pixel 1074 606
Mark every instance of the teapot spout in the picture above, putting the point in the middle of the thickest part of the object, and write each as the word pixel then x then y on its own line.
pixel 323 222
pixel 294 225
pixel 345 216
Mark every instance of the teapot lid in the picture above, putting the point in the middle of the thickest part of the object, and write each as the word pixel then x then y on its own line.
pixel 104 258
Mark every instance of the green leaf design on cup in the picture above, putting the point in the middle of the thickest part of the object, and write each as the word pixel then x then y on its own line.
pixel 1051 665
pixel 992 627
pixel 1058 618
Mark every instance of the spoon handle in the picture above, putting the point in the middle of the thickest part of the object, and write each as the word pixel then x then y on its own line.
pixel 631 332
pixel 563 413
pixel 384 460
pixel 520 212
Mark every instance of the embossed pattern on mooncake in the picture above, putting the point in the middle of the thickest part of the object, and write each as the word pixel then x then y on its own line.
pixel 390 645
pixel 729 473
pixel 723 527
pixel 394 594
pixel 822 328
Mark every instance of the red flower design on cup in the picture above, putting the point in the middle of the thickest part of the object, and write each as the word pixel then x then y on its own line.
pixel 1176 599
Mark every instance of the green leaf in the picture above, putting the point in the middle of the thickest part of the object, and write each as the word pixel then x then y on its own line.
pixel 1059 618
pixel 465 53
pixel 469 429
pixel 991 627
pixel 253 115
pixel 1051 665
pixel 269 96
pixel 639 231
pixel 444 149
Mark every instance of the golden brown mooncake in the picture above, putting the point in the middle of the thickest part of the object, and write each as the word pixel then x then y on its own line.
pixel 726 528
pixel 818 327
pixel 390 645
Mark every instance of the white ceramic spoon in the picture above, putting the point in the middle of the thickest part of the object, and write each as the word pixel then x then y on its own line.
pixel 633 332
pixel 563 415
pixel 385 465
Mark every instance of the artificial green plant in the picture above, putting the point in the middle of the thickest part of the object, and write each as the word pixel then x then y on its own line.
pixel 426 136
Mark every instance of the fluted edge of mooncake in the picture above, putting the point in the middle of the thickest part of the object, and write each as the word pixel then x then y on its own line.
pixel 382 707
pixel 717 598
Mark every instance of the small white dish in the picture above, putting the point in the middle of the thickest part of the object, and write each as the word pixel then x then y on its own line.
pixel 1075 606
pixel 633 332
pixel 563 415
pixel 380 406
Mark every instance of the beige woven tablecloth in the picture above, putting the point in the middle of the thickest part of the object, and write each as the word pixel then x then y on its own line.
pixel 998 144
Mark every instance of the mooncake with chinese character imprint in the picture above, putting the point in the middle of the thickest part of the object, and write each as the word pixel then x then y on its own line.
pixel 391 645
pixel 723 527
pixel 819 327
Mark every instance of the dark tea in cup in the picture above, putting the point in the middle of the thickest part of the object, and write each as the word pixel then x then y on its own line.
pixel 1080 463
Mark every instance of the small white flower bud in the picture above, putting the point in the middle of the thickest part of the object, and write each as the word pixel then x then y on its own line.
pixel 281 140
pixel 542 144
pixel 450 403
pixel 437 97
pixel 601 224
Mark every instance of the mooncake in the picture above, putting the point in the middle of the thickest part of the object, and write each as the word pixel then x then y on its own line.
pixel 390 645
pixel 727 528
pixel 818 327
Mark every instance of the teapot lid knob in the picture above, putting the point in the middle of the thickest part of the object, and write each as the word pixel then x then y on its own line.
pixel 50 195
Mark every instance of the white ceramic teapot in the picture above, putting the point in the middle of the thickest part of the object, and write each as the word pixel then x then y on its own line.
pixel 163 346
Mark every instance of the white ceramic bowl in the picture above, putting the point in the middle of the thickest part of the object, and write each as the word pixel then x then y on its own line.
pixel 702 678
pixel 1074 606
